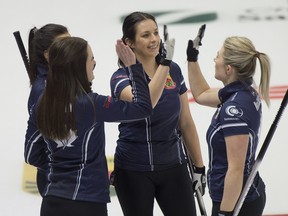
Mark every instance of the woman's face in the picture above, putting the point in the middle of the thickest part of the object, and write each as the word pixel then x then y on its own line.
pixel 147 39
pixel 90 64
pixel 220 67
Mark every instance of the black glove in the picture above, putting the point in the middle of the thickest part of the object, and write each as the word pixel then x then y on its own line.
pixel 199 179
pixel 225 213
pixel 166 50
pixel 112 178
pixel 192 48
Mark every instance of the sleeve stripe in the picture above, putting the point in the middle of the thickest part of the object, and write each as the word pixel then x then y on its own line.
pixel 31 147
pixel 234 125
pixel 116 86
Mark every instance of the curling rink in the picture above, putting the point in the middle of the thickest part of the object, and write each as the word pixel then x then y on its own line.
pixel 265 22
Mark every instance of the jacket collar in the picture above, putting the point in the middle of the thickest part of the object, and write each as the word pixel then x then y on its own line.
pixel 233 87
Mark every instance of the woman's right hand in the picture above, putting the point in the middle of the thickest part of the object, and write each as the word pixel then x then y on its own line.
pixel 193 46
pixel 166 49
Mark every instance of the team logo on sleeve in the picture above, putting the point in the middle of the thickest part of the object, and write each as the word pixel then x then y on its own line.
pixel 107 102
pixel 234 111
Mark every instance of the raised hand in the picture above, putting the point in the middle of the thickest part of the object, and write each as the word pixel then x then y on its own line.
pixel 198 39
pixel 166 49
pixel 125 54
pixel 193 46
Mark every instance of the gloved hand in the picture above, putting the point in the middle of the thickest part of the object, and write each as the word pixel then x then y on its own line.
pixel 192 48
pixel 166 49
pixel 112 178
pixel 225 213
pixel 199 179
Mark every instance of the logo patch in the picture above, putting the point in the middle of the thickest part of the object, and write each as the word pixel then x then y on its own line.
pixel 68 142
pixel 169 83
pixel 234 111
pixel 107 102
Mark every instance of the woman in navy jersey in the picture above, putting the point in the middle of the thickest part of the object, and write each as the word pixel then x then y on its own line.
pixel 233 134
pixel 39 42
pixel 150 162
pixel 70 118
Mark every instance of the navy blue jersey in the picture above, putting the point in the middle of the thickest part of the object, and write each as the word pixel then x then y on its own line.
pixel 77 167
pixel 37 87
pixel 239 113
pixel 36 91
pixel 153 143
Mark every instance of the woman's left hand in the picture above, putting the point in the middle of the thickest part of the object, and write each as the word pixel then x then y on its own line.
pixel 125 53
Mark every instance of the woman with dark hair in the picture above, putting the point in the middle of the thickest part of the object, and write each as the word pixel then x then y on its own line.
pixel 70 118
pixel 39 42
pixel 150 161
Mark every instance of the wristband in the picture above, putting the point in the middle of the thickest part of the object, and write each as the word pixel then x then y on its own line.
pixel 165 62
pixel 199 169
pixel 225 213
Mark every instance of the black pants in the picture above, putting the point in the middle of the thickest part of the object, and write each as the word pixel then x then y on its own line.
pixel 55 206
pixel 171 188
pixel 253 208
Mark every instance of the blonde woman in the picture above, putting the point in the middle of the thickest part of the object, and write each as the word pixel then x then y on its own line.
pixel 233 134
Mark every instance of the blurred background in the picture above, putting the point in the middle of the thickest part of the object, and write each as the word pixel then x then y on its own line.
pixel 265 22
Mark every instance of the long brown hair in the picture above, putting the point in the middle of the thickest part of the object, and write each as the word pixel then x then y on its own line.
pixel 67 79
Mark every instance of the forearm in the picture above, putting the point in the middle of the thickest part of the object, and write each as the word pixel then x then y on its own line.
pixel 140 89
pixel 232 189
pixel 157 84
pixel 197 81
pixel 191 140
pixel 200 89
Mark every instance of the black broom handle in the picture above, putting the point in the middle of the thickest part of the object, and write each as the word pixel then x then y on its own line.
pixel 260 156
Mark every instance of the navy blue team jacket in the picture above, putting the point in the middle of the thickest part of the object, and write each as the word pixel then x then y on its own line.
pixel 153 143
pixel 77 167
pixel 38 87
pixel 239 113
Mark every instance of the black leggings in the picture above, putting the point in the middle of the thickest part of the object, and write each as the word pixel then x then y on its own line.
pixel 55 206
pixel 172 188
pixel 253 208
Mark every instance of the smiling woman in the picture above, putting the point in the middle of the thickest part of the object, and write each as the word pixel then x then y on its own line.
pixel 262 21
pixel 65 136
pixel 233 134
pixel 150 152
